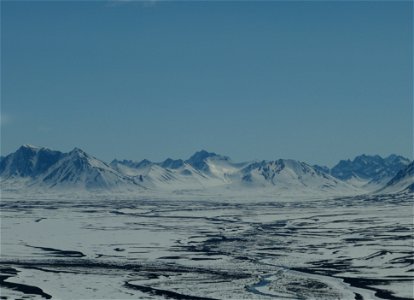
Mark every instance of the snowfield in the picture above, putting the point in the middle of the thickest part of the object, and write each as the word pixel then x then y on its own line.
pixel 358 247
pixel 76 227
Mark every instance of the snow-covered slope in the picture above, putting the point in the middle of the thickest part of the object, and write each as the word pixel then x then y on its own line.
pixel 28 161
pixel 206 170
pixel 288 174
pixel 402 182
pixel 369 172
pixel 201 170
pixel 79 169
pixel 40 167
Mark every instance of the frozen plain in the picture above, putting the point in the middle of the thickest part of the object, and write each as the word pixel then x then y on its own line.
pixel 203 247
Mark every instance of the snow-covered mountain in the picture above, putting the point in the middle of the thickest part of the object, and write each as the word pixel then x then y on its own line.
pixel 28 161
pixel 206 169
pixel 288 174
pixel 35 166
pixel 200 160
pixel 203 169
pixel 170 163
pixel 369 171
pixel 79 169
pixel 402 182
pixel 32 166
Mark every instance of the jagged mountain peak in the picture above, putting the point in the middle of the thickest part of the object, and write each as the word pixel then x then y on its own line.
pixel 84 160
pixel 199 159
pixel 395 156
pixel 145 162
pixel 367 159
pixel 172 163
pixel 201 155
pixel 79 169
pixel 131 163
pixel 79 152
pixel 28 161
pixel 27 148
pixel 369 167
pixel 289 174
pixel 294 166
pixel 394 159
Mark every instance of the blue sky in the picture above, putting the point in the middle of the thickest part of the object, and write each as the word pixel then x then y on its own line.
pixel 314 81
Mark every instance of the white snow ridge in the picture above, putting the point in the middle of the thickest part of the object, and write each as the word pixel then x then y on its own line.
pixel 39 168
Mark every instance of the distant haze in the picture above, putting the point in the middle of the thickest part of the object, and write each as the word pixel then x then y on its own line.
pixel 315 81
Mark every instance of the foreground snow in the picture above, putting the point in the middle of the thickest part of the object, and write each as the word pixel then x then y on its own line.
pixel 195 246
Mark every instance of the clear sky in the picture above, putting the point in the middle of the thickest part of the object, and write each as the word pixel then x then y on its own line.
pixel 316 81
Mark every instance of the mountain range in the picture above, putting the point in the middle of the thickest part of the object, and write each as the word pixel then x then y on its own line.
pixel 40 167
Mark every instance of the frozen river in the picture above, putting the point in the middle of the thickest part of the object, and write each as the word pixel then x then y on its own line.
pixel 344 248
